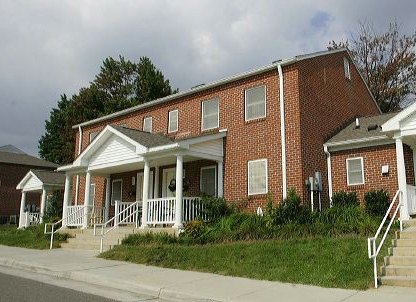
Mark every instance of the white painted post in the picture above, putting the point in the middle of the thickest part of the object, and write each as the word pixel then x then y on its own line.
pixel 43 205
pixel 146 176
pixel 22 210
pixel 67 199
pixel 107 198
pixel 156 184
pixel 220 172
pixel 179 185
pixel 401 178
pixel 116 212
pixel 87 199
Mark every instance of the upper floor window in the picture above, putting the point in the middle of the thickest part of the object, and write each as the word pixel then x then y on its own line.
pixel 347 69
pixel 355 171
pixel 255 103
pixel 147 124
pixel 93 135
pixel 210 114
pixel 257 176
pixel 173 121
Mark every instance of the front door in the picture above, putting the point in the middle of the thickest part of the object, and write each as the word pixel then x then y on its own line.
pixel 139 186
pixel 169 176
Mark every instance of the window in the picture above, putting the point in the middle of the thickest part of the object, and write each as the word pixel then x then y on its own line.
pixel 208 182
pixel 93 135
pixel 257 177
pixel 116 191
pixel 347 69
pixel 355 171
pixel 147 124
pixel 210 115
pixel 173 121
pixel 255 103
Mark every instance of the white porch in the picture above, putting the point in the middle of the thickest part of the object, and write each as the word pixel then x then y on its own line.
pixel 118 150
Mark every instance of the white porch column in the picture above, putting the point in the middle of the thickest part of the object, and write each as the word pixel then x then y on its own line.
pixel 220 179
pixel 107 198
pixel 43 205
pixel 156 183
pixel 401 178
pixel 179 185
pixel 22 210
pixel 87 198
pixel 146 177
pixel 67 199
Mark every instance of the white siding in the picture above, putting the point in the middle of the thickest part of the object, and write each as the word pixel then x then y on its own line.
pixel 33 182
pixel 213 147
pixel 409 122
pixel 113 150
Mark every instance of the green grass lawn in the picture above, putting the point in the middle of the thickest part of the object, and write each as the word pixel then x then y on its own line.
pixel 329 262
pixel 32 237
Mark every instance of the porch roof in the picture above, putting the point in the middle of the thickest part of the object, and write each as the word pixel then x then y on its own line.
pixel 36 180
pixel 144 138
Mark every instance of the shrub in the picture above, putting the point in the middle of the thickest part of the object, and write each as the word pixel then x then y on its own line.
pixel 377 202
pixel 345 199
pixel 215 207
pixel 194 229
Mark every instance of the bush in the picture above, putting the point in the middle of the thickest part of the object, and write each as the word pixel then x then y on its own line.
pixel 215 207
pixel 345 199
pixel 194 229
pixel 377 202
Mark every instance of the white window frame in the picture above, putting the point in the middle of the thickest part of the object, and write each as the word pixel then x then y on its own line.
pixel 348 171
pixel 93 135
pixel 248 176
pixel 92 193
pixel 112 189
pixel 347 70
pixel 203 113
pixel 245 104
pixel 149 118
pixel 200 177
pixel 170 130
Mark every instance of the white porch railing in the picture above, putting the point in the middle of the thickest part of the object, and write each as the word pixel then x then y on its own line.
pixel 373 250
pixel 124 212
pixel 29 219
pixel 411 199
pixel 162 210
pixel 97 215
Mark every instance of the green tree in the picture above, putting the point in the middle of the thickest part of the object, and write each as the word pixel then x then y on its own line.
pixel 387 62
pixel 119 85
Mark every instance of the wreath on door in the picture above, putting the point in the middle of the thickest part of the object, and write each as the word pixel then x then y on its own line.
pixel 172 185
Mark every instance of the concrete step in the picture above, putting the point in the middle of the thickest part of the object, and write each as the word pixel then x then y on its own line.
pixel 404 242
pixel 408 233
pixel 400 260
pixel 396 270
pixel 89 247
pixel 399 281
pixel 409 223
pixel 402 251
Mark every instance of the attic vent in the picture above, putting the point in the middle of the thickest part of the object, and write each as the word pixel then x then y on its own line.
pixel 372 127
pixel 200 85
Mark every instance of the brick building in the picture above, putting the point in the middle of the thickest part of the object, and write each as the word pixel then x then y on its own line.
pixel 241 137
pixel 14 165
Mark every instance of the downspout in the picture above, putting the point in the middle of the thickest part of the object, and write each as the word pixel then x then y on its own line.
pixel 282 130
pixel 79 152
pixel 329 169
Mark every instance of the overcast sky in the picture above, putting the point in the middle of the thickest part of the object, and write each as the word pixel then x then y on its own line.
pixel 48 48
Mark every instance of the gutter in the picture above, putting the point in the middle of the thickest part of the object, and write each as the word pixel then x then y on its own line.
pixel 282 130
pixel 79 152
pixel 329 171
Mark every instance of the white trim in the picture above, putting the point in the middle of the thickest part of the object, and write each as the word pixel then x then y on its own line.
pixel 215 178
pixel 248 176
pixel 359 143
pixel 177 121
pixel 245 103
pixel 112 190
pixel 394 123
pixel 218 113
pixel 93 135
pixel 282 131
pixel 329 171
pixel 148 118
pixel 348 172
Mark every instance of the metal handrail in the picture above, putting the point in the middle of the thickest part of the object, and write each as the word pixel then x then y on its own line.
pixel 373 250
pixel 53 231
pixel 103 225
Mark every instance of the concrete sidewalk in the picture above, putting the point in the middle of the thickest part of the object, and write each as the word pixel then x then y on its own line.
pixel 177 285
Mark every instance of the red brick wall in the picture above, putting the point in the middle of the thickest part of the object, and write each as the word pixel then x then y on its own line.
pixel 374 158
pixel 10 176
pixel 327 100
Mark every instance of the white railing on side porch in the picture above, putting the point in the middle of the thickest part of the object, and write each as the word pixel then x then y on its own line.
pixel 162 210
pixel 411 199
pixel 124 212
pixel 373 249
pixel 29 219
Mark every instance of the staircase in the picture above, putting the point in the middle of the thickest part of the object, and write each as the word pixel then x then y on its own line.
pixel 400 267
pixel 84 239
